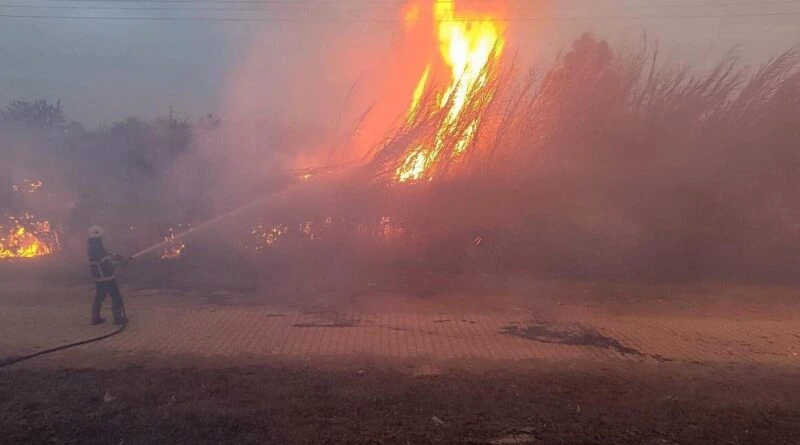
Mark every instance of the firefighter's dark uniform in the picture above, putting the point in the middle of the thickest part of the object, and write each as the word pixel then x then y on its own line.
pixel 101 264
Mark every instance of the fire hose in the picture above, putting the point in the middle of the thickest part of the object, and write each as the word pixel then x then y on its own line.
pixel 12 360
pixel 123 262
pixel 208 223
pixel 21 358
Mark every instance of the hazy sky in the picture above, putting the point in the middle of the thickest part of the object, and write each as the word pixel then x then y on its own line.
pixel 105 70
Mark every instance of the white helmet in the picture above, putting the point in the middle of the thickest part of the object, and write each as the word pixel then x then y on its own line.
pixel 95 232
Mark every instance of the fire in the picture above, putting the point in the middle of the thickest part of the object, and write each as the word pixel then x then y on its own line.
pixel 267 237
pixel 27 237
pixel 466 44
pixel 418 91
pixel 174 249
pixel 32 185
pixel 307 229
pixel 29 185
pixel 389 229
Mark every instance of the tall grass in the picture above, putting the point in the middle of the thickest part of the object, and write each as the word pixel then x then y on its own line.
pixel 606 164
pixel 616 163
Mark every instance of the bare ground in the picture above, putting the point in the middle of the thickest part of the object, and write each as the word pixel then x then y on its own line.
pixel 352 403
pixel 368 401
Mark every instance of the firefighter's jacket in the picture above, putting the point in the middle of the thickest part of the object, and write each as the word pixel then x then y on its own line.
pixel 101 263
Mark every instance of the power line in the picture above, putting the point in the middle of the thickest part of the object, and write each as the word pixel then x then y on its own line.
pixel 138 8
pixel 265 1
pixel 290 2
pixel 326 20
pixel 246 8
pixel 250 1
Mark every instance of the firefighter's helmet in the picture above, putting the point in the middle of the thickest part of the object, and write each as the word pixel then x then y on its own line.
pixel 95 232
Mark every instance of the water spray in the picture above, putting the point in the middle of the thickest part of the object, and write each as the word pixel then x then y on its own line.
pixel 210 222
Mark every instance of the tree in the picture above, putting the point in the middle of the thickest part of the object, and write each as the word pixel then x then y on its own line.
pixel 38 113
pixel 210 121
pixel 588 56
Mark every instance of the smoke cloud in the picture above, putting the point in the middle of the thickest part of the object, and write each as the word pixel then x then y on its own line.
pixel 609 162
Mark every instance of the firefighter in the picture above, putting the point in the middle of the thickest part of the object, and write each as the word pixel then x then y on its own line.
pixel 102 264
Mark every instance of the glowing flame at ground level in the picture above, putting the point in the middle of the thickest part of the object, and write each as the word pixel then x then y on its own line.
pixel 175 247
pixel 262 237
pixel 26 236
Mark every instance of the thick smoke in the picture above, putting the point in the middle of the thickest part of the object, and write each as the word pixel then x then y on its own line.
pixel 610 163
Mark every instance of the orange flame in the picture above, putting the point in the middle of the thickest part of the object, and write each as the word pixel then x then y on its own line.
pixel 466 44
pixel 32 185
pixel 267 237
pixel 27 237
pixel 174 249
pixel 418 91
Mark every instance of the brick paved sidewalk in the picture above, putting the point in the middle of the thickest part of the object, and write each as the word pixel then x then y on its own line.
pixel 265 333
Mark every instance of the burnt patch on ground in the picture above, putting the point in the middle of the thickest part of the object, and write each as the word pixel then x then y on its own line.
pixel 567 334
pixel 327 324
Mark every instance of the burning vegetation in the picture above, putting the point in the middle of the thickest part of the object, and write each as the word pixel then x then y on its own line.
pixel 26 236
pixel 174 247
pixel 607 163
pixel 307 233
pixel 266 237
pixel 468 42
pixel 22 233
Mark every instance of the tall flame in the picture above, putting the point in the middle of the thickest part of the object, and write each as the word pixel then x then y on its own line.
pixel 466 44
pixel 418 92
